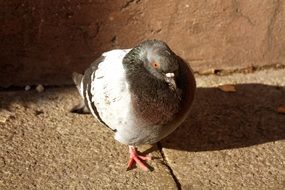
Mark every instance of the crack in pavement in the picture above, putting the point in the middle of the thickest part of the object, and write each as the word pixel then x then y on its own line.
pixel 178 185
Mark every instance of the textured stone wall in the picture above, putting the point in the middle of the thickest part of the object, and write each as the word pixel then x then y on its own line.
pixel 44 41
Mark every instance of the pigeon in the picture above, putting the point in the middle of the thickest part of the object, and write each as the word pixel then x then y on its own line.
pixel 143 94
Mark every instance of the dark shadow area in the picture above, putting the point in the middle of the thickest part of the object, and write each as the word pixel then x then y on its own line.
pixel 16 95
pixel 221 120
pixel 43 42
pixel 218 120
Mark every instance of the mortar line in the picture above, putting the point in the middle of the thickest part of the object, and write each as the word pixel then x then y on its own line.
pixel 178 185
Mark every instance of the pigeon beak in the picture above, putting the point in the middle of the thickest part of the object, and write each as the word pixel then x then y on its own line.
pixel 170 79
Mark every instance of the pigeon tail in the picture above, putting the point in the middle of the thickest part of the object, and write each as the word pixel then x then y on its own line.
pixel 77 78
pixel 81 107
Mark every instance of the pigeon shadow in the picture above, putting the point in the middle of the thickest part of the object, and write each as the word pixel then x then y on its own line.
pixel 218 120
pixel 221 120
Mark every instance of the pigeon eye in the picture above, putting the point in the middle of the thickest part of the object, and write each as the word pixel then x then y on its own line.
pixel 155 65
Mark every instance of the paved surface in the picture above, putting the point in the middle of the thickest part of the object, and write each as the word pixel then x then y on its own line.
pixel 230 141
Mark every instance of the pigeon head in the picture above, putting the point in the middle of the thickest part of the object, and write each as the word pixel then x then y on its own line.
pixel 157 59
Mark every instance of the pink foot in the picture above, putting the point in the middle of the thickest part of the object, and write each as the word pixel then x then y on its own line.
pixel 135 158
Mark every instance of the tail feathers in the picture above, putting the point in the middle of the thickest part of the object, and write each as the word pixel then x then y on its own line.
pixel 77 78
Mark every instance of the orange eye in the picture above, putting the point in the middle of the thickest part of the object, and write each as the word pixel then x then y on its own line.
pixel 155 65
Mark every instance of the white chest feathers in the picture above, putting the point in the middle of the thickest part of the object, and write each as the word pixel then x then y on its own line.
pixel 109 90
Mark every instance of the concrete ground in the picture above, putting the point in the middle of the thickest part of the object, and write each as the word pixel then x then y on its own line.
pixel 231 140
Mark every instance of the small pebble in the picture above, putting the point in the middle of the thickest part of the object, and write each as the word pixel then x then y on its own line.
pixel 40 88
pixel 27 88
pixel 5 115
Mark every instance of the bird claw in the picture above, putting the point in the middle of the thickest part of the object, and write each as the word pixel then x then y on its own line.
pixel 135 158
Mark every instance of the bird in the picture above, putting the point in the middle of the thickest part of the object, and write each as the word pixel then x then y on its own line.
pixel 142 94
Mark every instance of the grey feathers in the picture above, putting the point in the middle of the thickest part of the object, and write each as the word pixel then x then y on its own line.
pixel 77 78
pixel 143 94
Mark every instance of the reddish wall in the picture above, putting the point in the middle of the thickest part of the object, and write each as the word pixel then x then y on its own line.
pixel 44 41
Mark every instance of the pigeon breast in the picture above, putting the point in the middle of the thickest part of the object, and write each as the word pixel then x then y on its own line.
pixel 138 108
